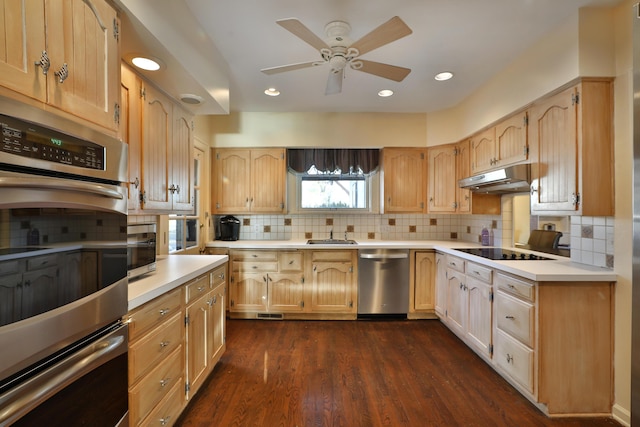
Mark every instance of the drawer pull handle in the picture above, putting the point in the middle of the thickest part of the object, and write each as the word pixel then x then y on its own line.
pixel 164 311
pixel 510 317
pixel 164 344
pixel 477 272
pixel 165 420
pixel 290 262
pixel 201 288
pixel 509 358
pixel 163 383
pixel 511 286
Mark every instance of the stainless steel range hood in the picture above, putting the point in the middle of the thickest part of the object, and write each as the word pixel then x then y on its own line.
pixel 512 179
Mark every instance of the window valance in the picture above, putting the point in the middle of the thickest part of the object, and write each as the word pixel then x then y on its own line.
pixel 330 159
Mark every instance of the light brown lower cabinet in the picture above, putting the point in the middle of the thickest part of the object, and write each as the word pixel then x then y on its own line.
pixel 175 340
pixel 552 341
pixel 422 292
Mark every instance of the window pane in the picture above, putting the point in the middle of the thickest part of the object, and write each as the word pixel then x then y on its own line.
pixel 192 233
pixel 175 234
pixel 333 193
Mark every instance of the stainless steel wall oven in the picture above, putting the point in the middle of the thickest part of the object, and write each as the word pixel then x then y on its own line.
pixel 63 272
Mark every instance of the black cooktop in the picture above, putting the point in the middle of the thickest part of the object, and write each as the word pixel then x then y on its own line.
pixel 500 254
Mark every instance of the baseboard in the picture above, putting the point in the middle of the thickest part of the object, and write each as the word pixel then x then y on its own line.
pixel 621 415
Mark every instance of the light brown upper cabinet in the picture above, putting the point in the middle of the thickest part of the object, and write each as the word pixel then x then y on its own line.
pixel 571 138
pixel 249 180
pixel 483 151
pixel 448 164
pixel 160 137
pixel 511 140
pixel 404 180
pixel 64 54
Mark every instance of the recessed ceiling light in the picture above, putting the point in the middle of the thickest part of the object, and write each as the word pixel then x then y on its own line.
pixel 445 75
pixel 272 91
pixel 146 63
pixel 385 92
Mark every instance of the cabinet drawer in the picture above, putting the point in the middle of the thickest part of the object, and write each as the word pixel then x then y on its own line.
pixel 219 275
pixel 148 351
pixel 42 261
pixel 479 272
pixel 167 411
pixel 455 263
pixel 255 255
pixel 155 386
pixel 153 313
pixel 515 317
pixel 517 287
pixel 290 261
pixel 331 255
pixel 515 359
pixel 9 267
pixel 196 288
pixel 255 267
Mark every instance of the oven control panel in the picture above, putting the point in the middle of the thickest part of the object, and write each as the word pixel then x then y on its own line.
pixel 37 142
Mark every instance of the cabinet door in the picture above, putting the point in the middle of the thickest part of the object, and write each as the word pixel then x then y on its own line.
pixel 181 159
pixel 463 170
pixel 10 298
pixel 333 287
pixel 442 179
pixel 268 180
pixel 197 333
pixel 456 301
pixel 554 140
pixel 232 181
pixel 22 41
pixel 39 291
pixel 404 181
pixel 83 37
pixel 511 140
pixel 286 292
pixel 156 149
pixel 248 292
pixel 424 286
pixel 483 151
pixel 217 325
pixel 479 315
pixel 441 285
pixel 131 130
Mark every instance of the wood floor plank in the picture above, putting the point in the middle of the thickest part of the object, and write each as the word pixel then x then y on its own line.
pixel 357 374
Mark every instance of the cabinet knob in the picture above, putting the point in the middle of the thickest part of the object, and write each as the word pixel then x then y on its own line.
pixel 164 311
pixel 44 62
pixel 164 344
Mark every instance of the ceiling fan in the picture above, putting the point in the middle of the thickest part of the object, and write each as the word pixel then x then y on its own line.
pixel 339 51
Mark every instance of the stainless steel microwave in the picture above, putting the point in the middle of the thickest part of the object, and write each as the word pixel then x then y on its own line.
pixel 141 249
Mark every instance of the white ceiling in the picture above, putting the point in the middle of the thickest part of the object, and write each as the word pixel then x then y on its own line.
pixel 472 38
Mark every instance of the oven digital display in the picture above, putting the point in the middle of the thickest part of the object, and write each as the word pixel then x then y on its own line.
pixel 37 142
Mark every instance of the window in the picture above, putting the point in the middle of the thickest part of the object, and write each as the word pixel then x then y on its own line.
pixel 184 230
pixel 333 190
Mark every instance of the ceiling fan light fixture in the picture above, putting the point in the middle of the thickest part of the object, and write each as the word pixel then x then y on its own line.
pixel 385 93
pixel 272 91
pixel 445 75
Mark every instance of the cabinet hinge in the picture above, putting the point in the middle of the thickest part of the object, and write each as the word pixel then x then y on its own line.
pixel 143 93
pixel 116 113
pixel 525 120
pixel 232 303
pixel 143 197
pixel 186 320
pixel 302 304
pixel 421 156
pixel 282 155
pixel 351 269
pixel 575 98
pixel 350 304
pixel 187 387
pixel 575 199
pixel 455 151
pixel 193 125
pixel 116 29
pixel 217 156
pixel 491 296
pixel 526 150
pixel 491 349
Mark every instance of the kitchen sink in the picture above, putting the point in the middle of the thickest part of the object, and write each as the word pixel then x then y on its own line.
pixel 331 242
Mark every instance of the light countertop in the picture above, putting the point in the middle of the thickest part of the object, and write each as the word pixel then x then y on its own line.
pixel 558 269
pixel 171 271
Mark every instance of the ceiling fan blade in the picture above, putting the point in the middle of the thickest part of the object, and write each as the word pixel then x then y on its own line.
pixel 298 29
pixel 390 31
pixel 290 67
pixel 334 83
pixel 391 72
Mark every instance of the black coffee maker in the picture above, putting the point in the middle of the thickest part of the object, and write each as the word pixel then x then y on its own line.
pixel 228 228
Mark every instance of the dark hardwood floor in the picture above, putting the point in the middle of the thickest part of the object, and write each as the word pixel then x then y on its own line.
pixel 357 373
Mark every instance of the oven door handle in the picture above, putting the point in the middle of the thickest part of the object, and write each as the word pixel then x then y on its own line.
pixel 53 184
pixel 26 396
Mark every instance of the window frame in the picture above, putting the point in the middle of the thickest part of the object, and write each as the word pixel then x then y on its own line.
pixel 367 178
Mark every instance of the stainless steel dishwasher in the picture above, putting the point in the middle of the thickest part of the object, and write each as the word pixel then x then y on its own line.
pixel 383 282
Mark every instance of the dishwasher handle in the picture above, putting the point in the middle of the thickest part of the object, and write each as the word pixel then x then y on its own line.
pixel 384 256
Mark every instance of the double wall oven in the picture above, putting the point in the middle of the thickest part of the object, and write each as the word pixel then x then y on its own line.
pixel 63 272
